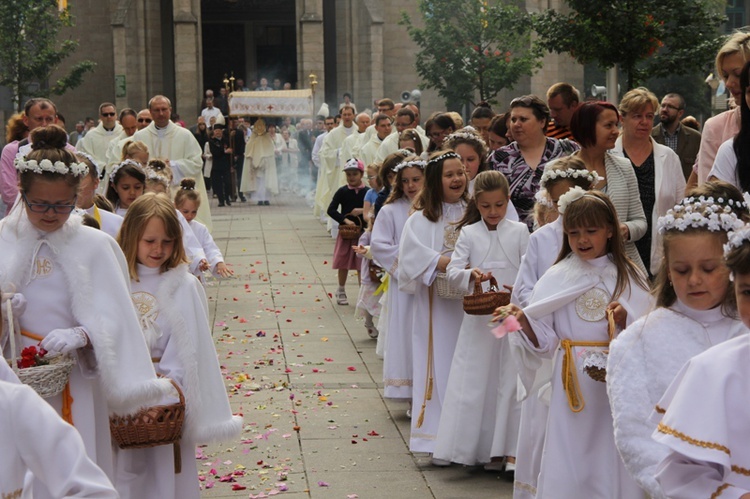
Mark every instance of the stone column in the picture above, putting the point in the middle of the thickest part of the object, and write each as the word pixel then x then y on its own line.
pixel 188 57
pixel 310 58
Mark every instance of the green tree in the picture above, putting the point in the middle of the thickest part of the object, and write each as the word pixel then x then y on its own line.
pixel 646 38
pixel 31 50
pixel 474 47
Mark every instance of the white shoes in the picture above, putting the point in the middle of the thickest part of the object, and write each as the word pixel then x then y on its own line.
pixel 341 297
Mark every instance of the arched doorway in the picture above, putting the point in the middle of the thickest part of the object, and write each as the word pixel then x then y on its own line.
pixel 251 38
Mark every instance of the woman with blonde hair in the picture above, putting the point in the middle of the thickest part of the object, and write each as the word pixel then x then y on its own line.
pixel 722 127
pixel 16 129
pixel 661 184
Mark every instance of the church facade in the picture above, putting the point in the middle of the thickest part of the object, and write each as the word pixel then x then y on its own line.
pixel 182 47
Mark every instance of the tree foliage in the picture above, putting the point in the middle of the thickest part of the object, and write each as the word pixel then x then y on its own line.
pixel 474 47
pixel 647 38
pixel 31 50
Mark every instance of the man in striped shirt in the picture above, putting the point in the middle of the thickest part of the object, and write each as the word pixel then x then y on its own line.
pixel 563 99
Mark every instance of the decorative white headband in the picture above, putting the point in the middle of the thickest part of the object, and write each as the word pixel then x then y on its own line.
pixel 736 239
pixel 45 165
pixel 447 155
pixel 117 167
pixel 408 164
pixel 542 197
pixel 701 213
pixel 572 196
pixel 552 174
pixel 152 175
pixel 466 133
pixel 91 160
pixel 710 200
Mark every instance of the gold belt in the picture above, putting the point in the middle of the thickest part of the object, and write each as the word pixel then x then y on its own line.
pixel 570 373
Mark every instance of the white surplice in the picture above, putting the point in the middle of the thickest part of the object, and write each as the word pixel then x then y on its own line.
pixel 705 425
pixel 36 439
pixel 422 243
pixel 643 361
pixel 580 458
pixel 480 414
pixel 174 317
pixel 96 142
pixel 77 276
pixel 211 250
pixel 396 341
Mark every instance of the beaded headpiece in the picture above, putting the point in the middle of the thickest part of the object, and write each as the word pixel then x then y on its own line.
pixel 418 163
pixel 444 156
pixel 117 167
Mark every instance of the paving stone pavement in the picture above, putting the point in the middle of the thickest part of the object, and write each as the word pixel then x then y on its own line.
pixel 305 375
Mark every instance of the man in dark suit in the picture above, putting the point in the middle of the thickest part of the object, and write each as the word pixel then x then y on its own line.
pixel 681 139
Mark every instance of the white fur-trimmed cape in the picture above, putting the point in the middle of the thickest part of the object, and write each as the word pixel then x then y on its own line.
pixel 643 361
pixel 182 303
pixel 99 292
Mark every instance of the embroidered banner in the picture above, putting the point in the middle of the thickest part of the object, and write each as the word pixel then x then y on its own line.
pixel 275 103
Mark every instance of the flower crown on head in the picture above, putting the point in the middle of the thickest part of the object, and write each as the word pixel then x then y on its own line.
pixel 90 159
pixel 444 156
pixel 700 213
pixel 76 169
pixel 542 197
pixel 157 177
pixel 408 164
pixel 736 239
pixel 569 197
pixel 117 167
pixel 552 174
pixel 466 133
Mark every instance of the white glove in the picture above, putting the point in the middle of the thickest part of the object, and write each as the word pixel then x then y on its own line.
pixel 18 304
pixel 65 340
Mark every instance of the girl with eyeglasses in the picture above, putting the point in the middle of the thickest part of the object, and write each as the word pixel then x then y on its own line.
pixel 75 281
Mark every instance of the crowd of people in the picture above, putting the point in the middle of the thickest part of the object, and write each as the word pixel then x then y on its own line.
pixel 614 256
pixel 610 363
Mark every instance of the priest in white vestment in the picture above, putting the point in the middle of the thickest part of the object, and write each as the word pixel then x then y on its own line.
pixel 178 147
pixel 96 141
pixel 330 175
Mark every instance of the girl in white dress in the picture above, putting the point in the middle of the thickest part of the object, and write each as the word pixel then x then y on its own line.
pixel 567 317
pixel 480 412
pixel 544 246
pixel 108 222
pixel 427 242
pixel 76 285
pixel 173 313
pixel 126 183
pixel 395 339
pixel 696 310
pixel 187 200
pixel 705 414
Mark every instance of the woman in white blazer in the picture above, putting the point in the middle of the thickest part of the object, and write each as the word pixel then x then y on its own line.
pixel 661 183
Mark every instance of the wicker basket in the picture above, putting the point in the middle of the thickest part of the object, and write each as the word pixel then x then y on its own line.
pixel 152 426
pixel 445 290
pixel 481 303
pixel 48 380
pixel 351 232
pixel 595 372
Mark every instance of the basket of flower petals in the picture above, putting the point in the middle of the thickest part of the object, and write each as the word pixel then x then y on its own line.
pixel 46 373
pixel 485 302
pixel 151 426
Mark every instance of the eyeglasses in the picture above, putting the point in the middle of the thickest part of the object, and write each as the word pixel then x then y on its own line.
pixel 670 106
pixel 60 209
pixel 144 120
pixel 108 115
